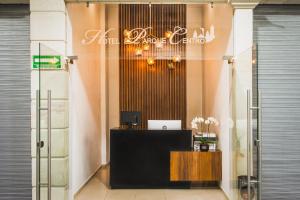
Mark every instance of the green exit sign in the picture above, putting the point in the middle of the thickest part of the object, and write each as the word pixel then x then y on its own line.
pixel 46 62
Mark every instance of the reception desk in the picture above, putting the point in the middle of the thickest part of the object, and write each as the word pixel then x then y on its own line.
pixel 141 158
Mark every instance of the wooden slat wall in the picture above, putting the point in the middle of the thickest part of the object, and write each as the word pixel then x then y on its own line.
pixel 156 91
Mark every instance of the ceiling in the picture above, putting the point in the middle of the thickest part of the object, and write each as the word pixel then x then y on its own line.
pixel 193 1
pixel 167 1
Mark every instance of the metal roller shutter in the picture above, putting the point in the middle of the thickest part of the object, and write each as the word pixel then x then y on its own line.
pixel 277 34
pixel 15 117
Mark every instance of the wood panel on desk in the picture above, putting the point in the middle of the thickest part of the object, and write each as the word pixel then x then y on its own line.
pixel 195 166
pixel 156 91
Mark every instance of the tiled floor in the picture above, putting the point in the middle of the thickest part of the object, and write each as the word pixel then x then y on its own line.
pixel 97 189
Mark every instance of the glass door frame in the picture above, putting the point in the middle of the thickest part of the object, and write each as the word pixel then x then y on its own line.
pixel 246 133
pixel 40 143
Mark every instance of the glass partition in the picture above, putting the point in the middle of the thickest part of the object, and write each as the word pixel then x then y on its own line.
pixel 48 68
pixel 245 133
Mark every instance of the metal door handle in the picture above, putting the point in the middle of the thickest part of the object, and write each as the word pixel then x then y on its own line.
pixel 49 144
pixel 38 140
pixel 259 153
pixel 249 132
pixel 40 144
pixel 257 141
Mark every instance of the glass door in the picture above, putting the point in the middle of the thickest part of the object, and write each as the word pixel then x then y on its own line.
pixel 44 65
pixel 246 137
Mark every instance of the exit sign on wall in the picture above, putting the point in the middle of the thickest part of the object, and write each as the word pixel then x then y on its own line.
pixel 46 62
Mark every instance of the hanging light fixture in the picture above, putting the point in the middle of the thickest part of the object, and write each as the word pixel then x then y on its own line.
pixel 126 33
pixel 146 47
pixel 127 41
pixel 176 58
pixel 171 65
pixel 150 61
pixel 168 34
pixel 138 51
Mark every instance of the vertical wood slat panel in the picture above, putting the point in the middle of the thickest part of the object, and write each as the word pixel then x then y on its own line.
pixel 156 91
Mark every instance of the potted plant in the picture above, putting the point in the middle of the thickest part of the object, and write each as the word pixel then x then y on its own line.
pixel 204 145
pixel 208 135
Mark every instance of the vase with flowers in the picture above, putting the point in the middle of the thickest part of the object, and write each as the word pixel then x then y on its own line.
pixel 211 137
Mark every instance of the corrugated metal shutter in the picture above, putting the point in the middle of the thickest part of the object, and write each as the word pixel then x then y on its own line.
pixel 15 140
pixel 277 33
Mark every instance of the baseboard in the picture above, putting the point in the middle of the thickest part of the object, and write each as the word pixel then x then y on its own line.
pixel 86 182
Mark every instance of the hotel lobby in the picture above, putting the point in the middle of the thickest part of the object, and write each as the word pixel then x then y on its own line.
pixel 163 82
pixel 159 100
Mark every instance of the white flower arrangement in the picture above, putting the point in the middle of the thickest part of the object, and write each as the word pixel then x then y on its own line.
pixel 196 122
pixel 211 121
pixel 208 122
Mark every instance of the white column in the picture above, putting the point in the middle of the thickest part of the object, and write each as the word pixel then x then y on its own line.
pixel 103 89
pixel 48 26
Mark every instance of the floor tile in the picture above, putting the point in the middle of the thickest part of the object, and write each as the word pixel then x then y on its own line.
pixel 98 189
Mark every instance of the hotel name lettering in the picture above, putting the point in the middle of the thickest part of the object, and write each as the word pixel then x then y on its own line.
pixel 138 36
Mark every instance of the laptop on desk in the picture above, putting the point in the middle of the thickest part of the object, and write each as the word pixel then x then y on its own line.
pixel 164 124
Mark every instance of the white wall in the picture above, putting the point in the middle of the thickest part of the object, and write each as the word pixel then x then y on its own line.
pixel 217 81
pixel 194 65
pixel 112 60
pixel 85 96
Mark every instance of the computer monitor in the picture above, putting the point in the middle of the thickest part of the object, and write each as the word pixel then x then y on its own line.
pixel 130 118
pixel 164 124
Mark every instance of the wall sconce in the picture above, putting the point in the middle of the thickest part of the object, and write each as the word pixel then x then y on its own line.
pixel 150 61
pixel 146 47
pixel 168 34
pixel 176 58
pixel 138 51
